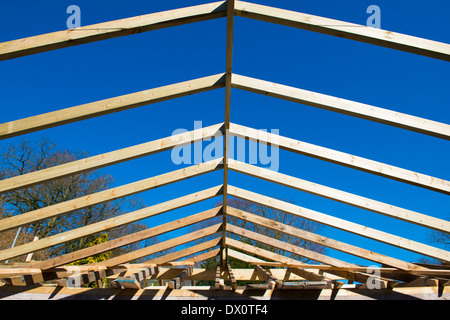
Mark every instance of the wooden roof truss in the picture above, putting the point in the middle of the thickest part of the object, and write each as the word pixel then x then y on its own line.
pixel 329 274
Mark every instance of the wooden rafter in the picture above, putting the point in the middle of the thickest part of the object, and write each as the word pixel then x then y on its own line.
pixel 356 109
pixel 108 159
pixel 287 247
pixel 342 224
pixel 325 241
pixel 107 195
pixel 207 245
pixel 108 106
pixel 272 282
pixel 272 256
pixel 344 159
pixel 341 196
pixel 161 246
pixel 128 239
pixel 379 37
pixel 111 29
pixel 109 223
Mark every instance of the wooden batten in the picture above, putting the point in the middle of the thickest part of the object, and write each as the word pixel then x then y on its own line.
pixel 111 29
pixel 342 29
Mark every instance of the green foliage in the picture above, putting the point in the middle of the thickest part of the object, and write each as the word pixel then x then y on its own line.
pixel 95 258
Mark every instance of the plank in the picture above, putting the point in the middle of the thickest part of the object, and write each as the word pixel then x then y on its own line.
pixel 348 107
pixel 111 29
pixel 274 257
pixel 161 246
pixel 177 282
pixel 134 281
pixel 342 29
pixel 231 277
pixel 272 282
pixel 217 283
pixel 108 195
pixel 129 239
pixel 227 115
pixel 108 159
pixel 343 197
pixel 344 159
pixel 324 241
pixel 189 251
pixel 342 224
pixel 110 223
pixel 108 106
pixel 319 257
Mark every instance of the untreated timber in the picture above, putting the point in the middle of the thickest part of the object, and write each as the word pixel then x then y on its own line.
pixel 128 239
pixel 111 29
pixel 347 30
pixel 344 159
pixel 348 107
pixel 107 159
pixel 110 223
pixel 108 195
pixel 324 241
pixel 272 256
pixel 108 106
pixel 161 246
pixel 342 196
pixel 272 282
pixel 177 282
pixel 342 224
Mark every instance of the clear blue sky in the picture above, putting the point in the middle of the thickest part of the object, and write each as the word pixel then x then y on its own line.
pixel 361 72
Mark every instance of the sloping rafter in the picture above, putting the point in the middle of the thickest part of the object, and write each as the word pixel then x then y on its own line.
pixel 344 159
pixel 356 109
pixel 341 29
pixel 342 224
pixel 111 29
pixel 108 106
pixel 205 247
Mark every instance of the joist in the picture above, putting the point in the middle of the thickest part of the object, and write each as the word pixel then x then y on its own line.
pixel 316 256
pixel 429 272
pixel 321 240
pixel 108 159
pixel 108 106
pixel 200 257
pixel 161 246
pixel 110 223
pixel 344 159
pixel 217 282
pixel 342 196
pixel 231 277
pixel 207 245
pixel 272 256
pixel 112 29
pixel 108 195
pixel 342 224
pixel 240 274
pixel 356 109
pixel 272 282
pixel 129 239
pixel 342 29
pixel 134 281
pixel 177 282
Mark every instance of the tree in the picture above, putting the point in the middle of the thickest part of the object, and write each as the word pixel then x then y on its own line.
pixel 441 239
pixel 27 157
